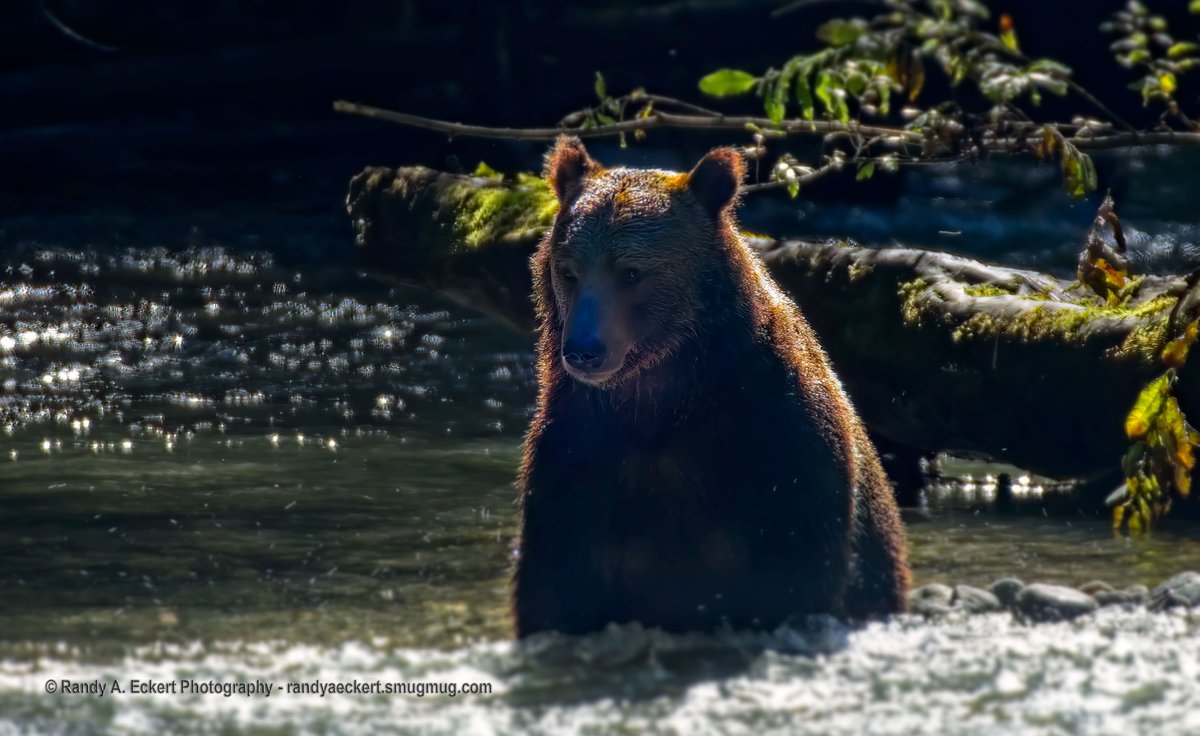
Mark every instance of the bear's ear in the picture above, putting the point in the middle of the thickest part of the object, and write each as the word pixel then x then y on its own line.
pixel 566 166
pixel 716 179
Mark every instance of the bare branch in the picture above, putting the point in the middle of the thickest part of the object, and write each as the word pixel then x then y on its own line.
pixel 681 104
pixel 1009 144
pixel 655 120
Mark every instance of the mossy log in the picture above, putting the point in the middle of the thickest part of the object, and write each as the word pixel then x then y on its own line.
pixel 938 352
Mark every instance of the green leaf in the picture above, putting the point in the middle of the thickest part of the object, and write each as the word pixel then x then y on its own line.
pixel 1194 6
pixel 856 83
pixel 1074 173
pixel 1050 66
pixel 774 108
pixel 725 82
pixel 1008 37
pixel 885 97
pixel 775 101
pixel 1145 409
pixel 601 90
pixel 839 32
pixel 843 110
pixel 1138 56
pixel 866 171
pixel 824 91
pixel 1047 82
pixel 1089 167
pixel 1183 48
pixel 1150 90
pixel 971 7
pixel 804 95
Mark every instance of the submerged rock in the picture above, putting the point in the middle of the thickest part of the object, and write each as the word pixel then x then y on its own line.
pixel 1096 586
pixel 1134 595
pixel 934 599
pixel 1006 590
pixel 1039 602
pixel 975 600
pixel 1042 602
pixel 1181 590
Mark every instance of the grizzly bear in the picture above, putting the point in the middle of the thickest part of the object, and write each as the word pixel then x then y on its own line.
pixel 693 461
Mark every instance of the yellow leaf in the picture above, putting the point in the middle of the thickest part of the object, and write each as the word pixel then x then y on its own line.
pixel 1008 34
pixel 916 77
pixel 1183 480
pixel 1185 456
pixel 894 70
pixel 1048 145
pixel 1151 486
pixel 1175 353
pixel 1166 81
pixel 1114 277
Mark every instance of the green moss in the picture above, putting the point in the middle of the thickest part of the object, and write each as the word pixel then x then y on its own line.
pixel 483 171
pixel 1145 342
pixel 986 290
pixel 857 270
pixel 1067 323
pixel 912 307
pixel 1032 325
pixel 502 213
pixel 1042 322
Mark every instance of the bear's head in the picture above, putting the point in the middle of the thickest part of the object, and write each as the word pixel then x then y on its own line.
pixel 633 257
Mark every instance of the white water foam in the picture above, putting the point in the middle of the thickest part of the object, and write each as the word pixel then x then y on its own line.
pixel 1114 672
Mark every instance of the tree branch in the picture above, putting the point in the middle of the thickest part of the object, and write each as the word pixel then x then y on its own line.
pixel 655 120
pixel 741 122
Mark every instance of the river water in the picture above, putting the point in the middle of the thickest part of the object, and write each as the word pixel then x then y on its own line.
pixel 220 468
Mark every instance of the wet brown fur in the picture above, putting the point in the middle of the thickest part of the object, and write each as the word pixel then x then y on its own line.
pixel 722 476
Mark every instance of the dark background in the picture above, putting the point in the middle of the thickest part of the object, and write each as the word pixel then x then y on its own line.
pixel 223 106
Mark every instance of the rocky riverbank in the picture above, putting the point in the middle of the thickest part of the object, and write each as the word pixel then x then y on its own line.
pixel 1037 602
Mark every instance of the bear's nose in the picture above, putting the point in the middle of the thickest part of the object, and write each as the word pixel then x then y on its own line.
pixel 584 356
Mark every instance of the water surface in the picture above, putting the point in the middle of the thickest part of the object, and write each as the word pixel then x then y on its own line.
pixel 221 468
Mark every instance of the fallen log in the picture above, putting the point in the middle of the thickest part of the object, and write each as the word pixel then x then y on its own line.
pixel 938 352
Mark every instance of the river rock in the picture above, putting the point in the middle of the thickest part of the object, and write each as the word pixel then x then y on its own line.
pixel 931 600
pixel 1006 590
pixel 975 600
pixel 1181 590
pixel 1096 586
pixel 1134 595
pixel 1139 591
pixel 1042 602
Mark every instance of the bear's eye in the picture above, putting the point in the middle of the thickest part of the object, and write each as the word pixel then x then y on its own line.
pixel 631 275
pixel 566 274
